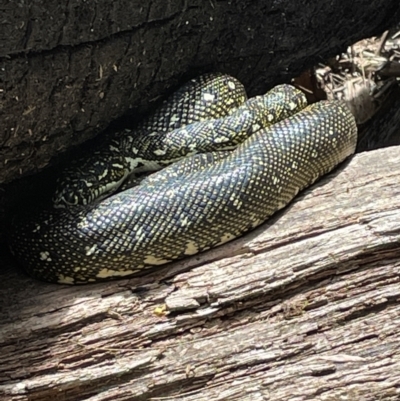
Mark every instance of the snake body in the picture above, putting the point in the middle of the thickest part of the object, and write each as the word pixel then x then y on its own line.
pixel 207 97
pixel 192 205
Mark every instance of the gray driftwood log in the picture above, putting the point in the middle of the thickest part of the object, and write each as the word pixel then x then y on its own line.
pixel 304 308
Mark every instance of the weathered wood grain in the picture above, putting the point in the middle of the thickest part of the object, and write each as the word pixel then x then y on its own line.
pixel 304 308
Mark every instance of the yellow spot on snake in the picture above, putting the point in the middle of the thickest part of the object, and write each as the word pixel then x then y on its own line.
pixel 65 279
pixel 275 180
pixel 160 152
pixel 237 203
pixel 104 273
pixel 117 165
pixel 226 237
pixel 256 223
pixel 231 85
pixel 45 256
pixel 140 234
pixel 90 251
pixel 152 260
pixel 174 118
pixel 105 173
pixel 184 222
pixel 191 248
pixel 83 224
pixel 209 97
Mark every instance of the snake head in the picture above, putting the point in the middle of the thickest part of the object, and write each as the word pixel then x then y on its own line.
pixel 90 180
pixel 283 101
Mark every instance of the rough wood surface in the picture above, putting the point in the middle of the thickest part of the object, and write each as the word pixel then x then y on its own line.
pixel 69 68
pixel 304 308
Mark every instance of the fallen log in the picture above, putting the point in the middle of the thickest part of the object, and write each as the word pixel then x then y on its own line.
pixel 70 68
pixel 306 307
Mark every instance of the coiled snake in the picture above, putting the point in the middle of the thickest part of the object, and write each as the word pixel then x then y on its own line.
pixel 195 204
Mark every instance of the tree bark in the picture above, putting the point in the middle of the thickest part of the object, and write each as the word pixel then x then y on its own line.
pixel 306 307
pixel 70 68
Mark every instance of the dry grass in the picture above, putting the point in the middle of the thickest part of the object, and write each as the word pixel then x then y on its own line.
pixel 364 76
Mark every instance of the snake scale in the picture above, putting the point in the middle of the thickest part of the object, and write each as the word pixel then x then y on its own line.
pixel 213 195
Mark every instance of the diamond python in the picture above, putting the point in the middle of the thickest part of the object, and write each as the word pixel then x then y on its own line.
pixel 206 199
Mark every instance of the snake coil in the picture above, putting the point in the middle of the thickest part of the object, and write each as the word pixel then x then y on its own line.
pixel 195 204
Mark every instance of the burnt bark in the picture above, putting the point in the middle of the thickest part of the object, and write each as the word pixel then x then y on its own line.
pixel 305 307
pixel 70 68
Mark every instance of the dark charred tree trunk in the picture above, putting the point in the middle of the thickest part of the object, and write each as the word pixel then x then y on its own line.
pixel 70 68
